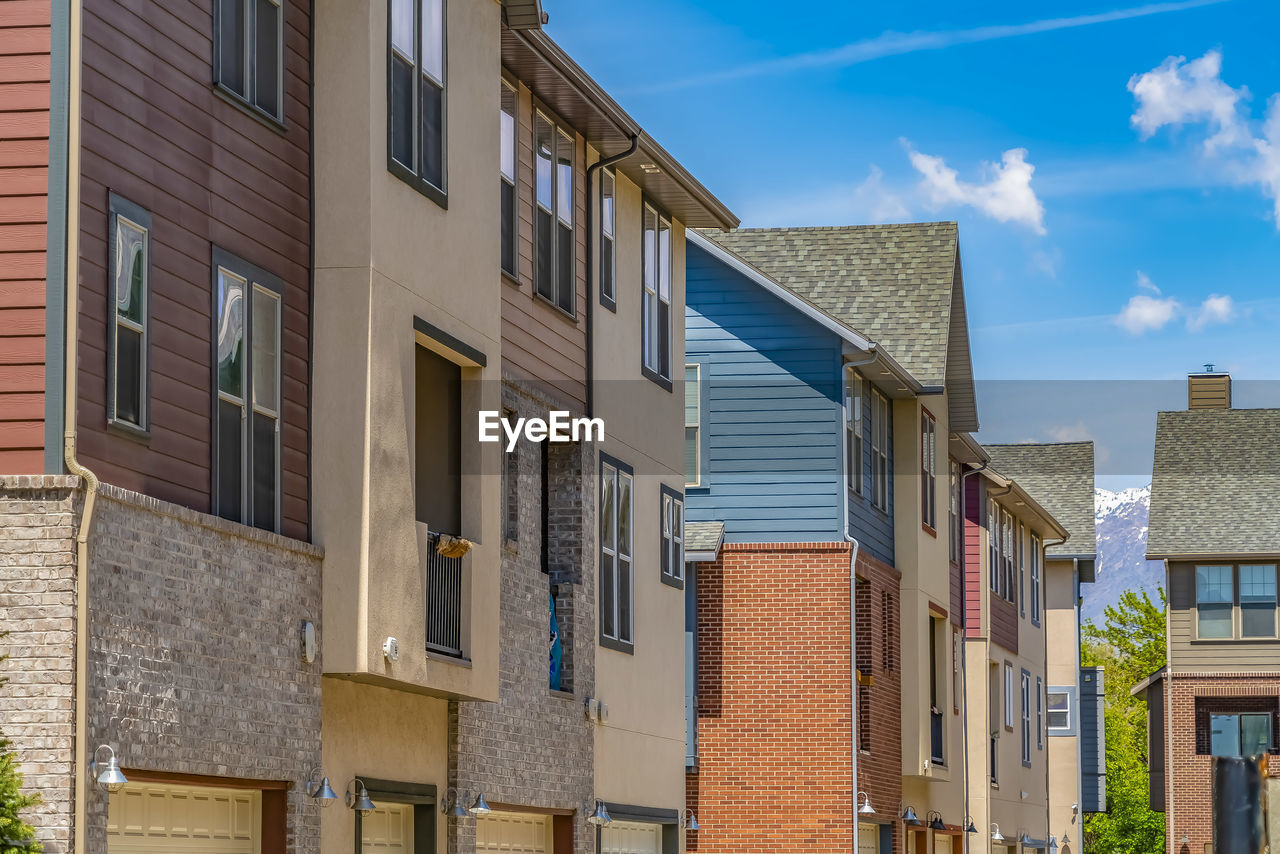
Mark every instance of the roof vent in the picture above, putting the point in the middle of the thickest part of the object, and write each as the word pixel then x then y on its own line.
pixel 1209 390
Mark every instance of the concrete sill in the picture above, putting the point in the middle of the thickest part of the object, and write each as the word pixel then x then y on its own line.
pixel 563 695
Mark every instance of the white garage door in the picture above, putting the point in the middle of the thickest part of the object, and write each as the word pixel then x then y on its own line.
pixel 625 837
pixel 868 839
pixel 387 830
pixel 514 833
pixel 147 818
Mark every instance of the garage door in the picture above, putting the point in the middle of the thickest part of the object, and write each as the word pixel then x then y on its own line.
pixel 626 837
pixel 516 833
pixel 387 830
pixel 146 818
pixel 868 839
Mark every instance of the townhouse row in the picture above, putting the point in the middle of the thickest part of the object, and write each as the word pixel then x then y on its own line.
pixel 264 266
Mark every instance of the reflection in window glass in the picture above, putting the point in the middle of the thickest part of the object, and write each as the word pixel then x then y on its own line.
pixel 1258 601
pixel 1213 601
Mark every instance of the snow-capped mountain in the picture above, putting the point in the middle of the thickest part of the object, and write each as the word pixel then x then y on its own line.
pixel 1121 518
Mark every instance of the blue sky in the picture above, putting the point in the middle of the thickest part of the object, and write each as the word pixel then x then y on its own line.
pixel 1132 238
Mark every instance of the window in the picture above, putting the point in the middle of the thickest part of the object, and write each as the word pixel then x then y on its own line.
pixel 615 554
pixel 128 344
pixel 879 450
pixel 1026 718
pixel 1010 583
pixel 1214 598
pixel 1258 601
pixel 437 442
pixel 853 430
pixel 1008 696
pixel 608 235
pixel 937 690
pixel 416 95
pixel 993 544
pixel 1037 559
pixel 1021 545
pixel 507 173
pixel 404 819
pixel 1239 735
pixel 692 425
pixel 656 311
pixel 248 42
pixel 247 335
pixel 1059 708
pixel 553 257
pixel 955 523
pixel 928 469
pixel 511 488
pixel 1039 713
pixel 993 705
pixel 672 546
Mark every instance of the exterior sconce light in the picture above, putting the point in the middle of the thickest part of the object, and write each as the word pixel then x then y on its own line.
pixel 1185 840
pixel 1066 839
pixel 1053 844
pixel 865 800
pixel 996 836
pixel 689 820
pixel 599 815
pixel 968 825
pixel 479 806
pixel 358 796
pixel 110 776
pixel 320 792
pixel 451 796
pixel 909 816
pixel 935 820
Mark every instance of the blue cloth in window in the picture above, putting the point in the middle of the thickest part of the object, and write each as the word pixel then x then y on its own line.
pixel 557 650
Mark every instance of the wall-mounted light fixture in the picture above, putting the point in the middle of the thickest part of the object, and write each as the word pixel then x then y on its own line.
pixel 358 796
pixel 598 815
pixel 935 820
pixel 110 774
pixel 451 796
pixel 909 816
pixel 996 836
pixel 1053 844
pixel 320 792
pixel 865 800
pixel 689 821
pixel 479 806
pixel 968 825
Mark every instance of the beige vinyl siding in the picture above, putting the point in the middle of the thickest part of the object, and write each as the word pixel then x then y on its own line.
pixel 1188 654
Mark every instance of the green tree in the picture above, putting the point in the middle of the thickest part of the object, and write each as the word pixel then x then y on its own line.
pixel 1130 644
pixel 16 836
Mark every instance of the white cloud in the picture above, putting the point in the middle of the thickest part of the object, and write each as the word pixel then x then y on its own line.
pixel 1006 195
pixel 1145 283
pixel 1143 313
pixel 881 203
pixel 1078 432
pixel 1218 308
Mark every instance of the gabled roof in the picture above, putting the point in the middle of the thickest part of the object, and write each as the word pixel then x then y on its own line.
pixel 899 285
pixel 1215 485
pixel 1060 477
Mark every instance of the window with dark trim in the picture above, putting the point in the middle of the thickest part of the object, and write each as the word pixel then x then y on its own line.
pixel 1026 718
pixel 1020 546
pixel 616 582
pixel 655 316
pixel 507 172
pixel 248 37
pixel 248 313
pixel 1010 583
pixel 1236 601
pixel 928 468
pixel 994 559
pixel 1235 726
pixel 1037 558
pixel 880 427
pixel 1039 713
pixel 416 95
pixel 128 338
pixel 608 236
pixel 955 527
pixel 853 431
pixel 672 544
pixel 553 244
pixel 404 818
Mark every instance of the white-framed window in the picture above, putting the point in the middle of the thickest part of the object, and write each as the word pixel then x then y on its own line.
pixel 554 152
pixel 507 125
pixel 1010 583
pixel 853 397
pixel 416 91
pixel 616 582
pixel 248 317
pixel 955 527
pixel 248 40
pixel 1008 695
pixel 671 549
pixel 928 468
pixel 608 237
pixel 1026 717
pixel 1037 562
pixel 994 560
pixel 128 344
pixel 655 318
pixel 692 425
pixel 880 431
pixel 1039 713
pixel 1058 708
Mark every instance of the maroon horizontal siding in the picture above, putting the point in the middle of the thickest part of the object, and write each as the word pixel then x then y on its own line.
pixel 1004 623
pixel 210 174
pixel 975 581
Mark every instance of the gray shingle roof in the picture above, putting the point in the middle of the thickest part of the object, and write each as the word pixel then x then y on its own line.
pixel 1059 476
pixel 1215 486
pixel 892 283
pixel 703 536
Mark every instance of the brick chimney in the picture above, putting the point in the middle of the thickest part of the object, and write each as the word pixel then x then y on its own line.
pixel 1209 390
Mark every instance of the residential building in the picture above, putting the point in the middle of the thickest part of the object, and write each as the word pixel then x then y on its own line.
pixel 1213 496
pixel 560 290
pixel 158 578
pixel 816 448
pixel 1060 477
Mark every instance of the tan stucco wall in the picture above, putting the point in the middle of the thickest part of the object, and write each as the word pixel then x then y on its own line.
pixel 376 732
pixel 385 253
pixel 1063 625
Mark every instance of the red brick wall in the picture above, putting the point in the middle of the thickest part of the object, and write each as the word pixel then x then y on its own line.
pixel 1189 772
pixel 880 769
pixel 774 702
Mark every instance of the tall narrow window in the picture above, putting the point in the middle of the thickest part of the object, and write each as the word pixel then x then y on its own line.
pixel 128 364
pixel 954 530
pixel 1010 581
pixel 853 430
pixel 993 544
pixel 416 94
pixel 880 428
pixel 553 151
pixel 249 53
pixel 248 315
pixel 928 469
pixel 1021 545
pixel 1026 718
pixel 1008 695
pixel 692 425
pixel 1257 601
pixel 507 173
pixel 655 317
pixel 608 234
pixel 1039 713
pixel 671 549
pixel 1214 599
pixel 616 595
pixel 1037 558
